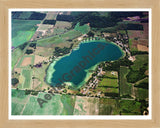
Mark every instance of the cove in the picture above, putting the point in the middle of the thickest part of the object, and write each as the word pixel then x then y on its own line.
pixel 73 68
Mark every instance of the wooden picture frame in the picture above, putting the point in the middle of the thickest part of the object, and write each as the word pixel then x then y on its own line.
pixel 4 70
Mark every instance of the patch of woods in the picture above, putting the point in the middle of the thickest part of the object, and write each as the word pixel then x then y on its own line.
pixel 29 51
pixel 32 92
pixel 33 16
pixel 133 76
pixel 52 22
pixel 14 81
pixel 68 18
pixel 62 51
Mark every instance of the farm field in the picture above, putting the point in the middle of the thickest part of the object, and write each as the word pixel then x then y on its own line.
pixel 58 39
pixel 130 107
pixel 139 39
pixel 108 106
pixel 26 60
pixel 83 29
pixel 138 69
pixel 86 106
pixel 109 84
pixel 16 54
pixel 18 101
pixel 22 31
pixel 27 75
pixel 125 87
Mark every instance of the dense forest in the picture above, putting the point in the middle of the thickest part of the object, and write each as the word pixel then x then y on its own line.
pixel 52 22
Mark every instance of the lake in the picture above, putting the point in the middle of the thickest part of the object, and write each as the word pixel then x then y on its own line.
pixel 74 68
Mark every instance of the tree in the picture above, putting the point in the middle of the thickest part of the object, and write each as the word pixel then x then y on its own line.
pixel 29 51
pixel 90 34
pixel 15 81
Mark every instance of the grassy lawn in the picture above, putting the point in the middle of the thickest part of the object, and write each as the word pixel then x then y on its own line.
pixel 130 107
pixel 108 106
pixel 125 87
pixel 27 75
pixel 16 54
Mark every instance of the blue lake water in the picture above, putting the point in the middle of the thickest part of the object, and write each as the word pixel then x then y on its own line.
pixel 72 68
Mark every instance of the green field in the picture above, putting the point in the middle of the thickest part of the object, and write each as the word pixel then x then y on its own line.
pixel 108 106
pixel 16 54
pixel 25 15
pixel 86 106
pixel 109 84
pixel 18 100
pixel 140 61
pixel 52 107
pixel 130 107
pixel 125 87
pixel 141 93
pixel 68 103
pixel 22 31
pixel 27 75
pixel 59 38
pixel 109 80
pixel 83 29
pixel 20 62
pixel 138 69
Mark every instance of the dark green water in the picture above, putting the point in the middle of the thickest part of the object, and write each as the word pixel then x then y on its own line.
pixel 72 68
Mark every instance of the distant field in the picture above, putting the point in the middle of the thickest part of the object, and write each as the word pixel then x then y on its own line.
pixel 142 94
pixel 25 15
pixel 109 84
pixel 22 31
pixel 125 87
pixel 68 104
pixel 23 59
pixel 140 61
pixel 51 15
pixel 63 24
pixel 71 34
pixel 83 29
pixel 138 40
pixel 52 107
pixel 16 54
pixel 44 27
pixel 27 75
pixel 108 106
pixel 86 106
pixel 138 69
pixel 59 38
pixel 18 100
pixel 130 107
